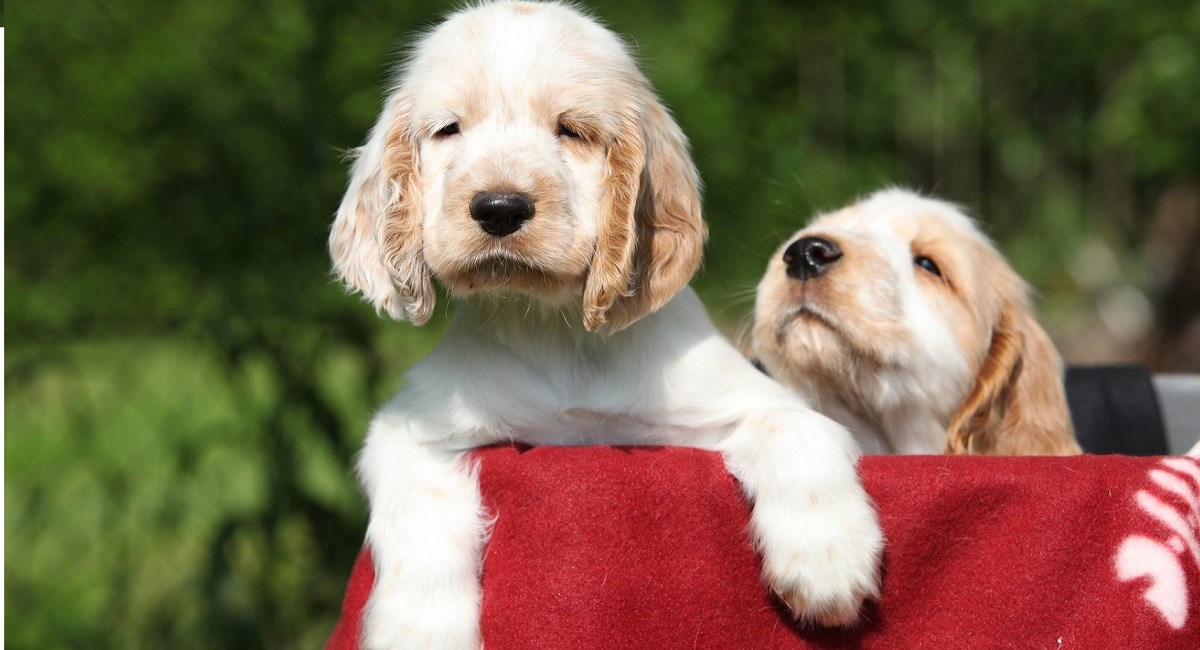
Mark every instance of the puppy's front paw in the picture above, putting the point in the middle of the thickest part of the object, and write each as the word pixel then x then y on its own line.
pixel 821 554
pixel 399 619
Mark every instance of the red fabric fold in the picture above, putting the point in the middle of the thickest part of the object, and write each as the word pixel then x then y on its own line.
pixel 610 547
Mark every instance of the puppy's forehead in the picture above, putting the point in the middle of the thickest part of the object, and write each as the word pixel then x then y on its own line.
pixel 518 56
pixel 903 215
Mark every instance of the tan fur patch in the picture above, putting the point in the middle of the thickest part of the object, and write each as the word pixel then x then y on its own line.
pixel 376 240
pixel 400 231
pixel 670 225
pixel 609 275
pixel 1017 405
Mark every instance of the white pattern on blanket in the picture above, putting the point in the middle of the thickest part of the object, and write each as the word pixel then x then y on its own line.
pixel 1161 557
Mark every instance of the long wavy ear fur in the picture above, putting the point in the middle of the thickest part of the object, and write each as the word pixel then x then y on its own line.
pixel 652 230
pixel 376 240
pixel 1017 405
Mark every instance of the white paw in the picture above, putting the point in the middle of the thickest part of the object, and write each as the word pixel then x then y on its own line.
pixel 821 554
pixel 437 618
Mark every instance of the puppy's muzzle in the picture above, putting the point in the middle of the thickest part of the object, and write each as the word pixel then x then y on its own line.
pixel 500 215
pixel 809 257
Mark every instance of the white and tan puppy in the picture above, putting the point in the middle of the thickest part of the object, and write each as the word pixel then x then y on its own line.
pixel 523 161
pixel 906 325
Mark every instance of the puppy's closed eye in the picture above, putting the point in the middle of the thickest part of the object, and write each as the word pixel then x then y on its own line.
pixel 573 128
pixel 566 131
pixel 450 129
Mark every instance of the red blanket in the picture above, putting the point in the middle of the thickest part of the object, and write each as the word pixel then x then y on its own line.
pixel 604 547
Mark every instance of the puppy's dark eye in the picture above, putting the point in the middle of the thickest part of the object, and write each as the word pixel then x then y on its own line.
pixel 448 130
pixel 565 131
pixel 927 264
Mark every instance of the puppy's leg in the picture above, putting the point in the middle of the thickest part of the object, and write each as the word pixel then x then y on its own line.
pixel 426 532
pixel 812 519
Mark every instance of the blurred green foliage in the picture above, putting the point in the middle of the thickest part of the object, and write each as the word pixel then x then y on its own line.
pixel 186 387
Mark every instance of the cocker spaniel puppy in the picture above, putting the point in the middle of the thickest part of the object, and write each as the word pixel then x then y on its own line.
pixel 906 325
pixel 523 161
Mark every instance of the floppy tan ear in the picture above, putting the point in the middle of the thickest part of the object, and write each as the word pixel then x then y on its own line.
pixel 376 240
pixel 651 228
pixel 1017 405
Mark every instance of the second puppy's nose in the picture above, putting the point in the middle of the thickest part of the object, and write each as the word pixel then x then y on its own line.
pixel 810 257
pixel 501 214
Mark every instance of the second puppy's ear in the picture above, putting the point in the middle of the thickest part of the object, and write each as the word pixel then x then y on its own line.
pixel 376 241
pixel 1017 405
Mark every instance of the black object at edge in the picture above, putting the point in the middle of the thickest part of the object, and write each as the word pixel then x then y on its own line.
pixel 1115 410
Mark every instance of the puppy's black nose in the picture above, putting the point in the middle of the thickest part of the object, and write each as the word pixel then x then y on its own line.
pixel 501 214
pixel 809 257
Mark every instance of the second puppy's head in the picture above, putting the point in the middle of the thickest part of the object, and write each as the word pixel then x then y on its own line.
pixel 900 307
pixel 521 150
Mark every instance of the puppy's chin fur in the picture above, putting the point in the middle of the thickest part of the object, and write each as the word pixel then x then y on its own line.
pixel 508 277
pixel 813 353
pixel 811 341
